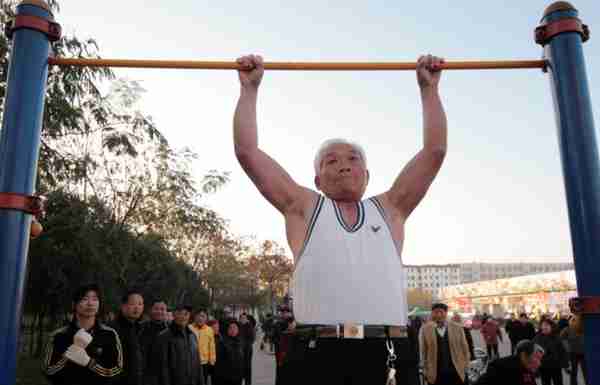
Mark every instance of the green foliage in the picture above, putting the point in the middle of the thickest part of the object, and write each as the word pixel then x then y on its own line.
pixel 124 209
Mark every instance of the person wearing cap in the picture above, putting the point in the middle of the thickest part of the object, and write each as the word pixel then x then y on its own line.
pixel 518 369
pixel 349 292
pixel 176 349
pixel 444 349
pixel 85 351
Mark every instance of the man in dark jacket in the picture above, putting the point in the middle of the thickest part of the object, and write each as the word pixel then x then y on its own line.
pixel 247 336
pixel 85 351
pixel 522 330
pixel 518 369
pixel 129 328
pixel 176 349
pixel 150 331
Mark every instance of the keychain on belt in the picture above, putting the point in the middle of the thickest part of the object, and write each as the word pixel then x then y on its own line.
pixel 391 358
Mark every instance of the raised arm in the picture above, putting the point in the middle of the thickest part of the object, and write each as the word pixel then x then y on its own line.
pixel 268 176
pixel 416 177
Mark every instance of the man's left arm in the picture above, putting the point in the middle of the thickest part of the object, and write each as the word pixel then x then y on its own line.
pixel 416 177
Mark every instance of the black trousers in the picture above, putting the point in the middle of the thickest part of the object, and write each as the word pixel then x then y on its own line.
pixel 248 353
pixel 449 378
pixel 576 360
pixel 551 376
pixel 492 351
pixel 330 361
pixel 205 372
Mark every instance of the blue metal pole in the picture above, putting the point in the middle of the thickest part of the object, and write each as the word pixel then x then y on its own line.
pixel 19 149
pixel 580 161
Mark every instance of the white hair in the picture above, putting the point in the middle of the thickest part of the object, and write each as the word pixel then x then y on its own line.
pixel 330 142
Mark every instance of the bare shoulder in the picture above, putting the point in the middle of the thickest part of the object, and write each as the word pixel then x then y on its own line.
pixel 392 213
pixel 304 204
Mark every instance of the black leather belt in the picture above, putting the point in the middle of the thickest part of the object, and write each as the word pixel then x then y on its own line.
pixel 351 331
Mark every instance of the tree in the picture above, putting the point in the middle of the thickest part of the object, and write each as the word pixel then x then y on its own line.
pixel 272 268
pixel 419 297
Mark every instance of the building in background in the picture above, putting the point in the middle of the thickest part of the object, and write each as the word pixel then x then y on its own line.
pixel 534 294
pixel 431 278
pixel 475 272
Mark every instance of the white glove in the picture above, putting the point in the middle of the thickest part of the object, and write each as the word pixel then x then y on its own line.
pixel 78 355
pixel 82 338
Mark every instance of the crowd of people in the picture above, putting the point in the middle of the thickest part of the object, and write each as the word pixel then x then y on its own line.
pixel 541 348
pixel 131 350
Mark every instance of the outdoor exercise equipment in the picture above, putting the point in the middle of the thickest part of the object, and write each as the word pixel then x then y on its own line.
pixel 561 34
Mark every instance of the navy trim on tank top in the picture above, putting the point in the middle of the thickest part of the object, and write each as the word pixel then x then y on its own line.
pixel 360 217
pixel 311 224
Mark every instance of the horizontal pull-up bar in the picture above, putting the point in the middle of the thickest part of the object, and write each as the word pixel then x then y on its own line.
pixel 296 66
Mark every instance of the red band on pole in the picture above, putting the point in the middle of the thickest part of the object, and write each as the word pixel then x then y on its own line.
pixel 50 28
pixel 545 32
pixel 27 203
pixel 585 305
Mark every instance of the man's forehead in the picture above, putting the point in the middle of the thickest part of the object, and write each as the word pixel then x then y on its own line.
pixel 340 148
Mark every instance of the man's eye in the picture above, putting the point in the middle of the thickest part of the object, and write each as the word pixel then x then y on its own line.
pixel 331 161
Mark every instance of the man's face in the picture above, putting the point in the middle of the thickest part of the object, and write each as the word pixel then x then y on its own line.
pixel 159 311
pixel 233 330
pixel 215 328
pixel 200 318
pixel 133 309
pixel 523 320
pixel 181 317
pixel 244 319
pixel 342 174
pixel 438 315
pixel 88 306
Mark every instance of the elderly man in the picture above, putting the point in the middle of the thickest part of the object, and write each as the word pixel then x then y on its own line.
pixel 518 369
pixel 444 349
pixel 349 294
pixel 150 330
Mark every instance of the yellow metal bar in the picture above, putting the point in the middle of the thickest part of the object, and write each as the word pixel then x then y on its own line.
pixel 295 66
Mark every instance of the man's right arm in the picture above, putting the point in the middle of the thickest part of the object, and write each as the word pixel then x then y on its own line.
pixel 274 183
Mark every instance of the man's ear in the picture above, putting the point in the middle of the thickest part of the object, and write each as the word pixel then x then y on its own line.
pixel 368 176
pixel 318 182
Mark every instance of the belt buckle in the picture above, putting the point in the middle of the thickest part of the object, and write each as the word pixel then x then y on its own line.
pixel 354 331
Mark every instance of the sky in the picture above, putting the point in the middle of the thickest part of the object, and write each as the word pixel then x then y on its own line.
pixel 499 196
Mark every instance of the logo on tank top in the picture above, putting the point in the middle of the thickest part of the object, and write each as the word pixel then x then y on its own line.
pixel 375 228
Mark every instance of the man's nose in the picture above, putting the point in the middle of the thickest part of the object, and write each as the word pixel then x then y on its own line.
pixel 345 170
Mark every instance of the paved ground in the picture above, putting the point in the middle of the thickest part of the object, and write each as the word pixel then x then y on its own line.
pixel 264 363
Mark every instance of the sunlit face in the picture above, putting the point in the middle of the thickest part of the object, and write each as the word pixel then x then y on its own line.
pixel 438 315
pixel 88 305
pixel 546 328
pixel 233 330
pixel 134 308
pixel 200 318
pixel 342 173
pixel 181 317
pixel 159 311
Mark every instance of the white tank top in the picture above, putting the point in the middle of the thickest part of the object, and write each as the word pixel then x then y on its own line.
pixel 349 273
